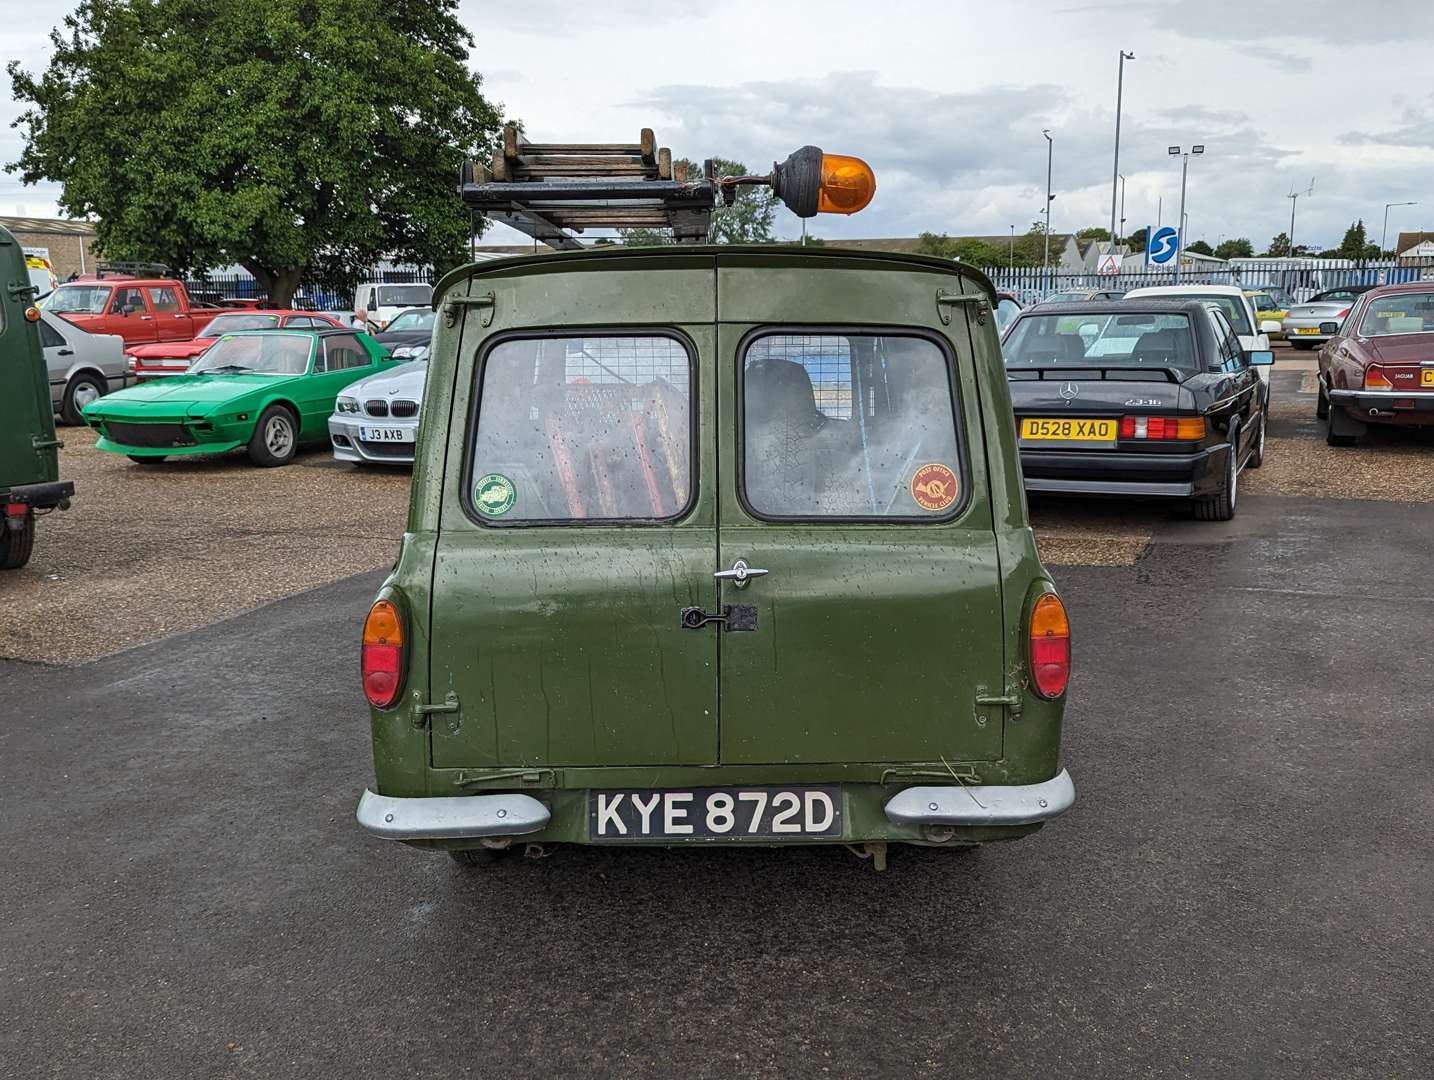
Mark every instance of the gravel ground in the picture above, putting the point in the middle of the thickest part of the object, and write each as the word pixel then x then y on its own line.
pixel 1395 464
pixel 149 551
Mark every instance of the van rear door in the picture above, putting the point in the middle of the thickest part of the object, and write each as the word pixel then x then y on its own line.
pixel 853 475
pixel 578 520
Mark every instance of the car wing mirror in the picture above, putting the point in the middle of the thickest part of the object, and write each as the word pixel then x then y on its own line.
pixel 1261 357
pixel 1269 326
pixel 1330 328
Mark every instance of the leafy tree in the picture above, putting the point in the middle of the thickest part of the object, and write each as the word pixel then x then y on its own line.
pixel 1199 247
pixel 1279 247
pixel 747 221
pixel 285 135
pixel 966 248
pixel 1137 240
pixel 1237 248
pixel 1356 245
pixel 1093 233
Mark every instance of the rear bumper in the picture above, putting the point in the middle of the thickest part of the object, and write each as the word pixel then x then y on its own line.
pixel 451 817
pixel 984 804
pixel 1386 406
pixel 40 496
pixel 1122 472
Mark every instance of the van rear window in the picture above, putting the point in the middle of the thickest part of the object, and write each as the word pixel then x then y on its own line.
pixel 583 429
pixel 854 426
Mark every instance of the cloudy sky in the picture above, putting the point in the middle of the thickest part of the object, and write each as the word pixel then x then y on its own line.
pixel 947 102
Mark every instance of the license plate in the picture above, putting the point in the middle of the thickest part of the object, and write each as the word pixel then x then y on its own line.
pixel 1426 377
pixel 1069 430
pixel 385 434
pixel 1306 329
pixel 736 813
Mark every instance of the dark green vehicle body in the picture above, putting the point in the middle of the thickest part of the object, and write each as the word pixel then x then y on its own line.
pixel 547 656
pixel 29 451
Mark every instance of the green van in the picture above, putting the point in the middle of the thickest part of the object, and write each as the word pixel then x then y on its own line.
pixel 715 545
pixel 29 451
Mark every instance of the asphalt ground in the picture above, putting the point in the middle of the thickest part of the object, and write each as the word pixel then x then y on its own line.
pixel 1244 888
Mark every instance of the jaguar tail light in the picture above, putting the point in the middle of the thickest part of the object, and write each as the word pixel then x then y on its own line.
pixel 382 654
pixel 1050 646
pixel 1374 379
pixel 1162 427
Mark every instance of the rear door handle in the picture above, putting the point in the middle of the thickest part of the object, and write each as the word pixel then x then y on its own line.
pixel 65 352
pixel 740 573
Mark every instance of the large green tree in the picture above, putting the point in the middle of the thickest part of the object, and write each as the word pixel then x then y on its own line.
pixel 288 136
pixel 747 221
pixel 1235 248
pixel 1356 245
pixel 1279 247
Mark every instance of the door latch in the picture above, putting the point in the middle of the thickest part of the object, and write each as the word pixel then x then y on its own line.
pixel 422 710
pixel 945 298
pixel 735 618
pixel 487 303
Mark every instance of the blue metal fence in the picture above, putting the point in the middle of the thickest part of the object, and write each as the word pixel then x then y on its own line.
pixel 1300 279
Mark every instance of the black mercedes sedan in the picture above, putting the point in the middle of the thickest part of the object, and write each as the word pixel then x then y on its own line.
pixel 1136 398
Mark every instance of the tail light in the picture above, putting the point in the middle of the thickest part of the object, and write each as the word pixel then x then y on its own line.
pixel 1162 427
pixel 1375 379
pixel 1050 646
pixel 382 654
pixel 1342 314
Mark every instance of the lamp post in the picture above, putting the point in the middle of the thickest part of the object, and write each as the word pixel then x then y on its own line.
pixel 1050 153
pixel 1011 258
pixel 1384 232
pixel 1122 205
pixel 1115 171
pixel 1198 148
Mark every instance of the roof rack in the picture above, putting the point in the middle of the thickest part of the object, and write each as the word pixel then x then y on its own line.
pixel 132 269
pixel 552 190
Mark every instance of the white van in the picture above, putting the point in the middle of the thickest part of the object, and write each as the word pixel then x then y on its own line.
pixel 381 301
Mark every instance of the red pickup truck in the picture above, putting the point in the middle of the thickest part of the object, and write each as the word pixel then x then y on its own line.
pixel 138 309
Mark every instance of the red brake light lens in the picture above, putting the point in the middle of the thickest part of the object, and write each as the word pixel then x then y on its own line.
pixel 1162 427
pixel 1342 314
pixel 1375 379
pixel 382 654
pixel 1050 646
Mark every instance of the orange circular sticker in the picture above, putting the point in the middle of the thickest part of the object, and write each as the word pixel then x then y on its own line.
pixel 934 487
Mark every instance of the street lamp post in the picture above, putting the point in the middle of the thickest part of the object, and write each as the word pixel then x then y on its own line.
pixel 1198 148
pixel 1384 232
pixel 1011 258
pixel 1050 153
pixel 1122 205
pixel 1115 171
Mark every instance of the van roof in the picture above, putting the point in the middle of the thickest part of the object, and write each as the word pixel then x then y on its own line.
pixel 776 254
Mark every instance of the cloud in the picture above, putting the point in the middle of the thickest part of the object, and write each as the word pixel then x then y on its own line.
pixel 1416 131
pixel 1327 22
pixel 968 161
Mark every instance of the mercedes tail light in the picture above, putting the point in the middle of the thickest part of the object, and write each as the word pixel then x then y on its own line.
pixel 1050 646
pixel 382 654
pixel 1162 427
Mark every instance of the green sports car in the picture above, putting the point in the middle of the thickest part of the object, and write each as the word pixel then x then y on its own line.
pixel 266 390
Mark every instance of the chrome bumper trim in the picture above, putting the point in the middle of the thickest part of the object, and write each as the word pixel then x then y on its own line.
pixel 982 804
pixel 450 817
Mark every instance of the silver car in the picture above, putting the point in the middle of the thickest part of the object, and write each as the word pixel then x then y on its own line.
pixel 83 366
pixel 375 420
pixel 1302 323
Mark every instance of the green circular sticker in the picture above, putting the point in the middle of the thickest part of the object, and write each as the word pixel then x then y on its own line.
pixel 494 495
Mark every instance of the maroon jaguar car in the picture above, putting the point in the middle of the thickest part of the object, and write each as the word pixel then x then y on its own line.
pixel 1378 365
